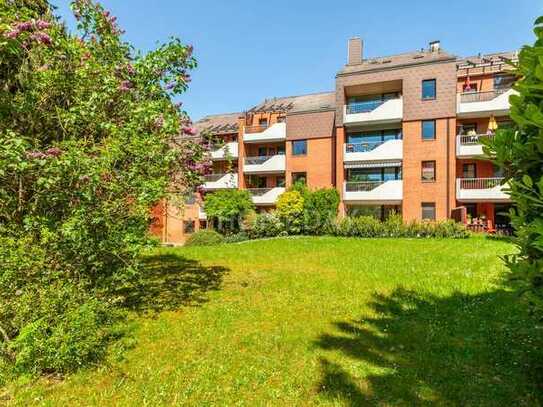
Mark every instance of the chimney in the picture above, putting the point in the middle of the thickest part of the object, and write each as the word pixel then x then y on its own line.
pixel 434 46
pixel 355 51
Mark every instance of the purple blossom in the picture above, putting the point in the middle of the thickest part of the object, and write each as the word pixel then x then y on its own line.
pixel 36 155
pixel 191 131
pixel 42 38
pixel 42 25
pixel 171 85
pixel 24 26
pixel 130 69
pixel 126 86
pixel 12 34
pixel 53 152
pixel 178 105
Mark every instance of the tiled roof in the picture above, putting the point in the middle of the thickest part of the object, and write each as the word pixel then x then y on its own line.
pixel 219 123
pixel 312 102
pixel 392 61
pixel 498 57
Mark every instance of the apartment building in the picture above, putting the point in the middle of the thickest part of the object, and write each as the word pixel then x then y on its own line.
pixel 399 133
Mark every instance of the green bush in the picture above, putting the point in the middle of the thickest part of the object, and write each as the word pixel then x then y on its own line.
pixel 204 238
pixel 267 225
pixel 290 210
pixel 518 151
pixel 320 211
pixel 237 238
pixel 368 227
pixel 227 208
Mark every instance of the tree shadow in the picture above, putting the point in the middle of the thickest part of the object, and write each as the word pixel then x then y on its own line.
pixel 466 350
pixel 170 281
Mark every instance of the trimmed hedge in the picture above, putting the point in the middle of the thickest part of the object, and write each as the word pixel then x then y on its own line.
pixel 204 238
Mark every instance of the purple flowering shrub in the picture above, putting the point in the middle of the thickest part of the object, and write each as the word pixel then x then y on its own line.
pixel 90 141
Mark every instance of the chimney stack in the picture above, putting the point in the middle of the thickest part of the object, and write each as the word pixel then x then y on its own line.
pixel 355 51
pixel 434 46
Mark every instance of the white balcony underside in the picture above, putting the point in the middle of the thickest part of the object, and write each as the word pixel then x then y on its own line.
pixel 269 198
pixel 390 111
pixel 390 150
pixel 226 182
pixel 494 194
pixel 229 150
pixel 274 133
pixel 388 193
pixel 499 106
pixel 274 165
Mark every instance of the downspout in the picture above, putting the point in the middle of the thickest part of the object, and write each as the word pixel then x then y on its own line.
pixel 448 168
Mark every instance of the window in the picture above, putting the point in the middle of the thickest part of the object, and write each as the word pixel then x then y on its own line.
pixel 281 119
pixel 262 151
pixel 367 103
pixel 467 128
pixel 188 226
pixel 299 177
pixel 428 89
pixel 497 172
pixel 467 88
pixel 503 82
pixel 280 182
pixel 299 147
pixel 469 170
pixel 374 174
pixel 428 129
pixel 428 173
pixel 428 211
pixel 263 122
pixel 281 150
pixel 261 182
pixel 361 142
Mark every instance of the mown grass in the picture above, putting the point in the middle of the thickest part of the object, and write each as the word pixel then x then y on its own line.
pixel 319 321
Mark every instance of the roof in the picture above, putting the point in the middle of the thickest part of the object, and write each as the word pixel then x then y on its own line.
pixel 290 104
pixel 498 57
pixel 219 123
pixel 398 60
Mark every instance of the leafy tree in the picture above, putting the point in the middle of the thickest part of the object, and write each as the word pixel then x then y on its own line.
pixel 320 211
pixel 90 140
pixel 227 208
pixel 519 152
pixel 290 209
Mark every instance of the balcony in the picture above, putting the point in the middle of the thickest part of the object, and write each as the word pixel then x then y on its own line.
pixel 373 192
pixel 272 164
pixel 373 112
pixel 483 104
pixel 469 146
pixel 221 181
pixel 481 190
pixel 265 196
pixel 373 151
pixel 257 134
pixel 229 150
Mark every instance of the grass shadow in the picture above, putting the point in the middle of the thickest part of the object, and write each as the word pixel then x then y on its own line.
pixel 170 281
pixel 466 350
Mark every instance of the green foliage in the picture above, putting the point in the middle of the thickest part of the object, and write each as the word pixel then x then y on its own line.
pixel 320 211
pixel 228 207
pixel 90 141
pixel 290 209
pixel 204 238
pixel 267 225
pixel 519 152
pixel 237 238
pixel 370 227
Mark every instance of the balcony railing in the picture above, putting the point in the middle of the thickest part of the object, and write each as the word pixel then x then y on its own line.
pixel 255 129
pixel 470 140
pixel 364 107
pixel 213 177
pixel 362 186
pixel 480 183
pixel 258 160
pixel 258 191
pixel 362 147
pixel 470 97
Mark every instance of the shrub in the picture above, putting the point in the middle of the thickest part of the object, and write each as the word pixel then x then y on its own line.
pixel 204 238
pixel 320 211
pixel 290 209
pixel 227 208
pixel 237 238
pixel 267 225
pixel 361 226
pixel 517 150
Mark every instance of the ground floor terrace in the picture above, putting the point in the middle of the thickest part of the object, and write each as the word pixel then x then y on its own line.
pixel 317 322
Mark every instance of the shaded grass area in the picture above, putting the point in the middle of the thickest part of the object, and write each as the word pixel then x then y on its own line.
pixel 319 321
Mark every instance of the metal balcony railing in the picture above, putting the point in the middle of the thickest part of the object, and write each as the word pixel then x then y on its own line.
pixel 213 177
pixel 255 129
pixel 469 140
pixel 364 107
pixel 480 183
pixel 258 191
pixel 257 160
pixel 469 97
pixel 362 186
pixel 362 147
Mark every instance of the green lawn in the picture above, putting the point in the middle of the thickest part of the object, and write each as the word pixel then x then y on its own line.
pixel 319 321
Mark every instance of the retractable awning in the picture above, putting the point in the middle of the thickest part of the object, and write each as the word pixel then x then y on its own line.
pixel 372 164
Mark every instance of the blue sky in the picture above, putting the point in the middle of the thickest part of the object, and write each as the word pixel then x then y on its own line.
pixel 250 50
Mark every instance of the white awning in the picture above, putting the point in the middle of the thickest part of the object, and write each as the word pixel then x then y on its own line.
pixel 373 164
